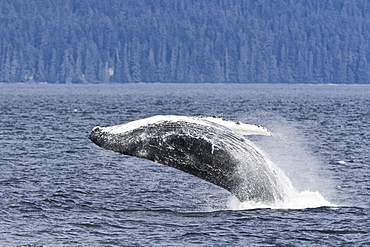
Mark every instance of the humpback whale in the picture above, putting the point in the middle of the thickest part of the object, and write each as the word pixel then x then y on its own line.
pixel 207 147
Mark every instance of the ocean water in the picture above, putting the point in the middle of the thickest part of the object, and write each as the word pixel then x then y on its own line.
pixel 59 189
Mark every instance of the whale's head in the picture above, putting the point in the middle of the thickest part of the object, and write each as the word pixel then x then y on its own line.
pixel 129 141
pixel 98 136
pixel 106 138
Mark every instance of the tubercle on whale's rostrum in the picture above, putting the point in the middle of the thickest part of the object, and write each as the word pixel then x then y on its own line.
pixel 99 136
pixel 211 150
pixel 93 136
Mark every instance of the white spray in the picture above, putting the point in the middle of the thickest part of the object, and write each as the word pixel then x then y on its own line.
pixel 299 194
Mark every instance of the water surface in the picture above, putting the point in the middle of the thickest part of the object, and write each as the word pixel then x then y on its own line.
pixel 59 189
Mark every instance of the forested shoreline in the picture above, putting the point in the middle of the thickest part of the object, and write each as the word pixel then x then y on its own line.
pixel 192 41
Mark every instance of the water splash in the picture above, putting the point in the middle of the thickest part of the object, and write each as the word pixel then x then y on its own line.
pixel 296 200
pixel 293 199
pixel 298 195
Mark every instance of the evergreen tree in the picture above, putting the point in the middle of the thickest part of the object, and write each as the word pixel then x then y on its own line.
pixel 92 41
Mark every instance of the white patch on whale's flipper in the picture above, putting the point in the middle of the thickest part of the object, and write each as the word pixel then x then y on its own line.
pixel 240 128
pixel 237 127
pixel 152 120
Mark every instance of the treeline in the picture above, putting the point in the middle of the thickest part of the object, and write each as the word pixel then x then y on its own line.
pixel 94 41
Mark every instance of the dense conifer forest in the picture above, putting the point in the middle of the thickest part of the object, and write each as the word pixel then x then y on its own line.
pixel 245 41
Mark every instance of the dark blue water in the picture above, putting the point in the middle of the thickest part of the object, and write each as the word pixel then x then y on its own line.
pixel 59 189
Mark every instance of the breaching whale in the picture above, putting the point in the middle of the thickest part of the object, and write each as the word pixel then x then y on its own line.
pixel 209 148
